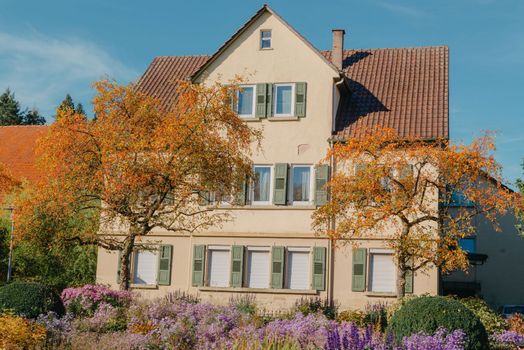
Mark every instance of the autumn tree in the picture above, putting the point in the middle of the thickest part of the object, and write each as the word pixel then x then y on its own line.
pixel 420 197
pixel 138 166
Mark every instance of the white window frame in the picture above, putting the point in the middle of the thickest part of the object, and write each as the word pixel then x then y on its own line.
pixel 290 250
pixel 209 249
pixel 290 184
pixel 271 180
pixel 156 251
pixel 275 86
pixel 379 251
pixel 253 105
pixel 265 249
pixel 262 39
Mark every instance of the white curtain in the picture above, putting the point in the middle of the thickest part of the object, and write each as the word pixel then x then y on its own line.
pixel 262 185
pixel 301 183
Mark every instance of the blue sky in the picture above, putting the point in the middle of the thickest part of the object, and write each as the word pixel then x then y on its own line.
pixel 50 48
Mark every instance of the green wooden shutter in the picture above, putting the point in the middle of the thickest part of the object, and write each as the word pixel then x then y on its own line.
pixel 237 262
pixel 280 184
pixel 118 269
pixel 199 260
pixel 261 105
pixel 203 197
pixel 269 100
pixel 321 179
pixel 319 268
pixel 408 288
pixel 277 267
pixel 359 270
pixel 406 172
pixel 300 99
pixel 240 196
pixel 164 265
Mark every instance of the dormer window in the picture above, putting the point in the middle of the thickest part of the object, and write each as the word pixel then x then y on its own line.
pixel 265 39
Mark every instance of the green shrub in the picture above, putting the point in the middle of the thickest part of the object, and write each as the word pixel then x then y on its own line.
pixel 245 303
pixel 492 321
pixel 315 305
pixel 30 299
pixel 426 314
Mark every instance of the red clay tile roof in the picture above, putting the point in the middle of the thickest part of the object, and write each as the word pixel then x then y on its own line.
pixel 17 150
pixel 404 88
pixel 161 77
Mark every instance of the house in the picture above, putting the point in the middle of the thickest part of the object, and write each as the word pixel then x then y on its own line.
pixel 304 99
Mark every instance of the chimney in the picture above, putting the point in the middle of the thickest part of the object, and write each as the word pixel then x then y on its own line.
pixel 338 47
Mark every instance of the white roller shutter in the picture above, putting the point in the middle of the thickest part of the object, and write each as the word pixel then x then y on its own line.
pixel 298 270
pixel 258 269
pixel 219 262
pixel 383 273
pixel 145 267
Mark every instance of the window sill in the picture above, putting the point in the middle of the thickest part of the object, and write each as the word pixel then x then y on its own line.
pixel 381 295
pixel 259 290
pixel 143 286
pixel 250 119
pixel 265 207
pixel 282 119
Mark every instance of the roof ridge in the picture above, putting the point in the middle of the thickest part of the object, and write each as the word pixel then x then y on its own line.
pixel 396 48
pixel 23 126
pixel 182 56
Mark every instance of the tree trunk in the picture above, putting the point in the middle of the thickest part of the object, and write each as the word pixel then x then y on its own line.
pixel 125 261
pixel 401 279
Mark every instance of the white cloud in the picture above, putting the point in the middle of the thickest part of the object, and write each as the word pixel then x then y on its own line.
pixel 402 9
pixel 41 70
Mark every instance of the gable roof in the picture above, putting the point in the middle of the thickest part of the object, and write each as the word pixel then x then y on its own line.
pixel 242 29
pixel 17 150
pixel 405 89
pixel 161 77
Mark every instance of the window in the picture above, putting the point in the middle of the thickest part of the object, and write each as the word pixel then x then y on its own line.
pixel 300 189
pixel 265 39
pixel 258 267
pixel 382 272
pixel 218 266
pixel 284 96
pixel 468 244
pixel 145 267
pixel 246 101
pixel 298 268
pixel 262 185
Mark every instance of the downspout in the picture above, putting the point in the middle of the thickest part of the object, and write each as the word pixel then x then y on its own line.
pixel 331 247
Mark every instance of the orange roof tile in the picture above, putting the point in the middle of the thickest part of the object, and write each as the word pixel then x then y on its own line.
pixel 17 150
pixel 404 88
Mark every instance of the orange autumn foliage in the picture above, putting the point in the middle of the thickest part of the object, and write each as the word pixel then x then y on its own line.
pixel 138 166
pixel 404 190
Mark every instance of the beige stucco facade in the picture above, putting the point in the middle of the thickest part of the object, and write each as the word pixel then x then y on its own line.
pixel 499 279
pixel 301 141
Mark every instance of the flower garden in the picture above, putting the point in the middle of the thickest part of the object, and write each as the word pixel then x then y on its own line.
pixel 96 317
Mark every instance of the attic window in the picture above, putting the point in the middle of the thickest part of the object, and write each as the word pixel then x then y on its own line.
pixel 265 39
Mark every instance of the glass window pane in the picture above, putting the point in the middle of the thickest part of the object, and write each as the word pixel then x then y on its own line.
pixel 283 99
pixel 265 39
pixel 145 268
pixel 245 101
pixel 467 245
pixel 301 183
pixel 262 184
